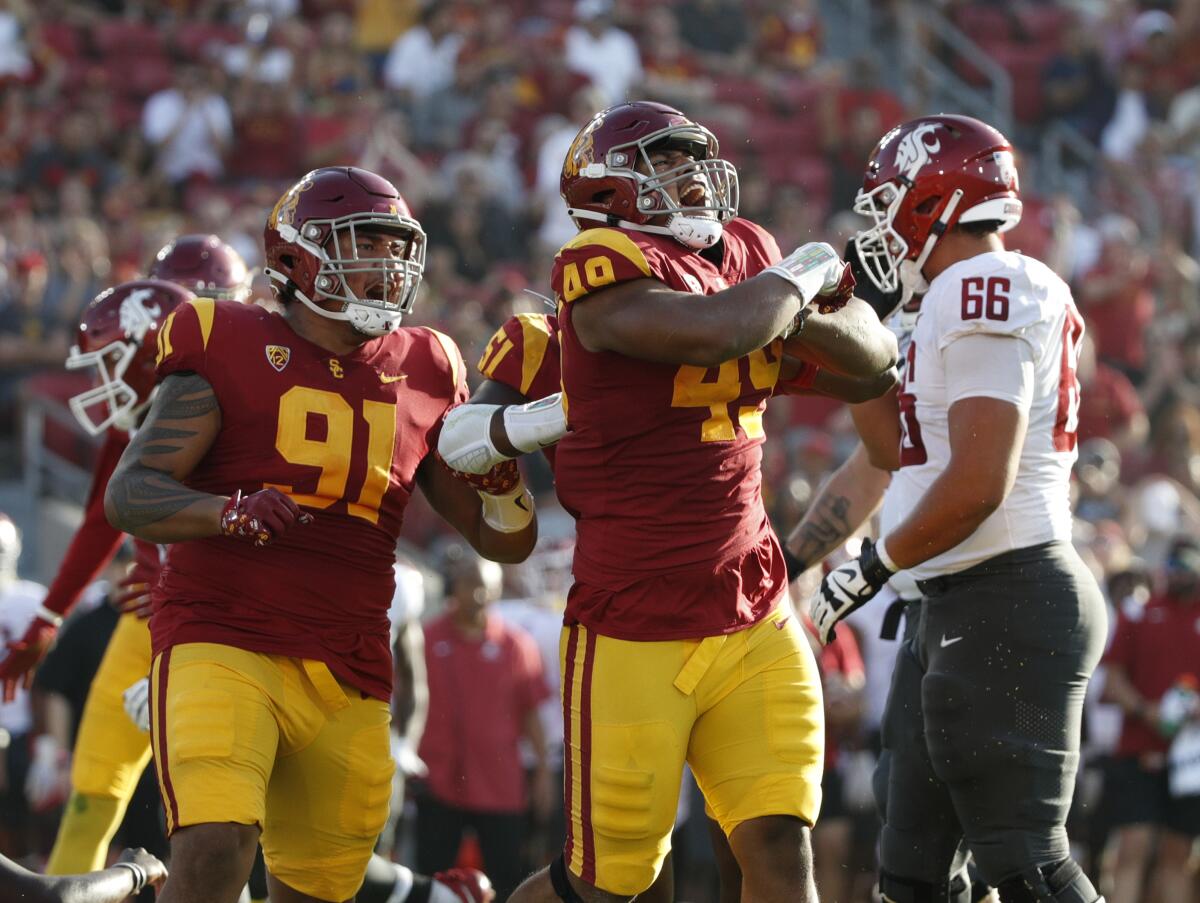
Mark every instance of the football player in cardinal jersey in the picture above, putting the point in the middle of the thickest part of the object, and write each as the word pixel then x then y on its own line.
pixel 277 459
pixel 984 715
pixel 672 314
pixel 205 265
pixel 117 342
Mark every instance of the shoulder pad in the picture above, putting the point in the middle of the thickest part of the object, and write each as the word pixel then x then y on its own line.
pixel 599 257
pixel 990 294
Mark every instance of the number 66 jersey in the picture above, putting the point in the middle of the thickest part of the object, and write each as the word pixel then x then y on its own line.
pixel 343 435
pixel 1022 301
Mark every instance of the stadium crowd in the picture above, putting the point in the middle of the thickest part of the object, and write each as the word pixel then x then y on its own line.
pixel 125 124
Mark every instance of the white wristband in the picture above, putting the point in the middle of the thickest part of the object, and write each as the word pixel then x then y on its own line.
pixel 50 617
pixel 884 558
pixel 509 513
pixel 537 425
pixel 812 268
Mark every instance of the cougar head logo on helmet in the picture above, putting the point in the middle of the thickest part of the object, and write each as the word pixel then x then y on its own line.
pixel 203 264
pixel 924 177
pixel 117 337
pixel 312 245
pixel 608 175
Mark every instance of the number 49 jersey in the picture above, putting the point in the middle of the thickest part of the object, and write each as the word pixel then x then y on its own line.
pixel 343 435
pixel 1001 294
pixel 662 464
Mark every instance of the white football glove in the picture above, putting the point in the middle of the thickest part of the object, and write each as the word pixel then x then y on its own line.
pixel 465 443
pixel 48 781
pixel 846 589
pixel 137 704
pixel 814 269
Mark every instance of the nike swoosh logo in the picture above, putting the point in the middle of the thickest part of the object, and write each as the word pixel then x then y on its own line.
pixel 387 378
pixel 951 641
pixel 782 622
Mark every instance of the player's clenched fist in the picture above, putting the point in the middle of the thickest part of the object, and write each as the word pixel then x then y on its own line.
pixel 16 668
pixel 260 516
pixel 846 589
pixel 819 275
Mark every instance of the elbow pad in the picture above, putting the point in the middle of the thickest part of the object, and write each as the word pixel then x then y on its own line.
pixel 537 425
pixel 465 443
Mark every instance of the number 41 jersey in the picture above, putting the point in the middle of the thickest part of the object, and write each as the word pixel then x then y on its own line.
pixel 662 465
pixel 343 435
pixel 1002 294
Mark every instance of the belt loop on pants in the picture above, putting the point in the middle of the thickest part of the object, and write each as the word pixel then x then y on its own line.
pixel 326 684
pixel 698 663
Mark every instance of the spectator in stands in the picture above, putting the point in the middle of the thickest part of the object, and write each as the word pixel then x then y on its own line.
pixel 789 35
pixel 673 72
pixel 718 29
pixel 1155 650
pixel 423 59
pixel 486 684
pixel 334 64
pixel 556 227
pixel 190 126
pixel 386 151
pixel 1130 118
pixel 125 880
pixel 19 602
pixel 1097 488
pixel 1110 407
pixel 601 51
pixel 1077 86
pixel 71 152
pixel 263 57
pixel 1115 297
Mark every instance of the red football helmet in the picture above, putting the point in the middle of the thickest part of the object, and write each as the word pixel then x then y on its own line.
pixel 607 175
pixel 470 885
pixel 923 178
pixel 307 259
pixel 205 265
pixel 117 336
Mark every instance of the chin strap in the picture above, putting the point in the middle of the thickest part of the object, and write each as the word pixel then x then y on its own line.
pixel 680 235
pixel 912 280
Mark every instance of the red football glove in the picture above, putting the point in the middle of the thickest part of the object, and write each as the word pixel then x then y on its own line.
pixel 471 885
pixel 840 296
pixel 261 516
pixel 16 669
pixel 500 480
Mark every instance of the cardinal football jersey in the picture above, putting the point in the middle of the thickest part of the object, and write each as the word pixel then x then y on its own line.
pixel 1004 294
pixel 343 435
pixel 524 355
pixel 662 464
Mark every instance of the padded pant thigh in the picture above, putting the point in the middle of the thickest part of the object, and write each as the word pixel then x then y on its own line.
pixel 1009 768
pixel 921 833
pixel 327 803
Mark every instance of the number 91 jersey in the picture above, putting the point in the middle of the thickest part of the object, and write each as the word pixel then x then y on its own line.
pixel 1000 294
pixel 343 435
pixel 662 465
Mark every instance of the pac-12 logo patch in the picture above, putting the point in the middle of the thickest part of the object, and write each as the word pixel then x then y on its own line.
pixel 278 356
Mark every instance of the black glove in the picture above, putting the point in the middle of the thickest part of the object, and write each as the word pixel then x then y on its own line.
pixel 883 303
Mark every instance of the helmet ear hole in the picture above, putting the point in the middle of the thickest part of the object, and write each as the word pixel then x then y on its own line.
pixel 927 206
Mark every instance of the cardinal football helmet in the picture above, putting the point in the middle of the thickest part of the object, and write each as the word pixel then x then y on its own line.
pixel 304 247
pixel 117 337
pixel 607 175
pixel 924 177
pixel 205 265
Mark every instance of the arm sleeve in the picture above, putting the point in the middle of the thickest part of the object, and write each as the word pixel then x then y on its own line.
pixel 983 365
pixel 524 355
pixel 95 542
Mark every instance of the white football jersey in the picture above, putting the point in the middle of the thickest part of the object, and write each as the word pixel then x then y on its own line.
pixel 19 602
pixel 1002 294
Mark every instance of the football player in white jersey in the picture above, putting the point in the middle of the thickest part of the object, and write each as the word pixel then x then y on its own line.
pixel 986 700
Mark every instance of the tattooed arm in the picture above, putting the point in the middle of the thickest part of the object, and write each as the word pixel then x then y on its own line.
pixel 145 495
pixel 844 503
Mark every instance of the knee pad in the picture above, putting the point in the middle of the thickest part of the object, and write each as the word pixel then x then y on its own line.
pixel 895 889
pixel 1062 882
pixel 562 885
